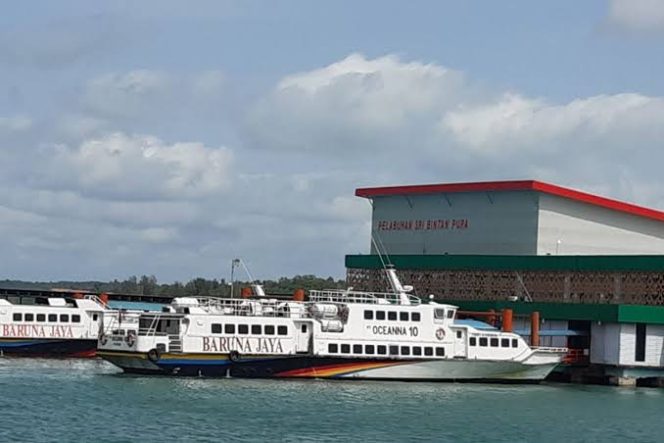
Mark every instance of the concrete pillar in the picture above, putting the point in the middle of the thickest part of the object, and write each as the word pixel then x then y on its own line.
pixel 534 329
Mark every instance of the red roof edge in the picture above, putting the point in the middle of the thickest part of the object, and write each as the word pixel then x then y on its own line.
pixel 519 185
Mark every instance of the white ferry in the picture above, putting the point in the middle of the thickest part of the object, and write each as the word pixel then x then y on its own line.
pixel 59 328
pixel 336 334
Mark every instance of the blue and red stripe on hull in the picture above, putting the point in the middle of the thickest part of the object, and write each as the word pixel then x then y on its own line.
pixel 39 347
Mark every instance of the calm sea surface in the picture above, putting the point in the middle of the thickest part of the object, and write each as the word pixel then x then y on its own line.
pixel 89 401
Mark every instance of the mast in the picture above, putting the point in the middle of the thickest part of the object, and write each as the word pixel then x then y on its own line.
pixel 397 287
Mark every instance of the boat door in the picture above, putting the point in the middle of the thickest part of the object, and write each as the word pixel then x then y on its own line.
pixel 94 324
pixel 303 338
pixel 460 343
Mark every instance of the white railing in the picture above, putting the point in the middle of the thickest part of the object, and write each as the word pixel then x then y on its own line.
pixel 344 296
pixel 245 307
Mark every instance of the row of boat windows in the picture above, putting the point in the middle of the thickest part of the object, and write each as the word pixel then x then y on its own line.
pixel 494 342
pixel 255 329
pixel 428 351
pixel 52 318
pixel 391 315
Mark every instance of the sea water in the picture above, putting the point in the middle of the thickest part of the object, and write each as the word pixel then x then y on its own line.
pixel 91 401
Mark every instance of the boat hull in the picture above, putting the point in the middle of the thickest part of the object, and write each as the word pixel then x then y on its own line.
pixel 54 348
pixel 220 365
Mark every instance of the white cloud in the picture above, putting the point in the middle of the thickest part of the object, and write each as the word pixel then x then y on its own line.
pixel 639 15
pixel 144 167
pixel 17 123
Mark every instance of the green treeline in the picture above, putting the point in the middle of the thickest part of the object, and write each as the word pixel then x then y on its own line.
pixel 148 285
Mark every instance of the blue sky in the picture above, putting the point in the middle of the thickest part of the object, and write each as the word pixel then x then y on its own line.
pixel 167 138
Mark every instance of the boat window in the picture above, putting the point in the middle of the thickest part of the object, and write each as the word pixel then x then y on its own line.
pixel 94 317
pixel 403 316
pixel 439 313
pixel 41 317
pixel 18 317
pixel 391 315
pixel 405 350
pixel 381 349
pixel 256 329
pixel 415 316
pixel 216 328
pixel 243 329
pixel 450 313
pixel 515 342
pixel 303 329
pixel 229 329
pixel 75 318
pixel 368 315
pixel 484 341
pixel 64 318
pixel 428 351
pixel 494 342
pixel 345 349
pixel 357 349
pixel 417 350
pixel 282 330
pixel 380 315
pixel 53 317
pixel 459 334
pixel 269 330
pixel 504 342
pixel 440 352
pixel 394 350
pixel 473 341
pixel 29 317
pixel 369 349
pixel 333 348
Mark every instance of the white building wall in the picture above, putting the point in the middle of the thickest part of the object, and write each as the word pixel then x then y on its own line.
pixel 605 343
pixel 627 345
pixel 568 227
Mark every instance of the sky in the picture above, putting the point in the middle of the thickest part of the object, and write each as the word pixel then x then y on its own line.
pixel 167 138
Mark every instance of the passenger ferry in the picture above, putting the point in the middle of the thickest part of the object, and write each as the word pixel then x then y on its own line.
pixel 60 327
pixel 335 334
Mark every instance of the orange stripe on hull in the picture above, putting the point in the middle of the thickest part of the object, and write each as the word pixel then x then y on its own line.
pixel 336 370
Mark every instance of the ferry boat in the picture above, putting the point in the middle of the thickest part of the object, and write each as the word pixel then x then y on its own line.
pixel 60 327
pixel 335 334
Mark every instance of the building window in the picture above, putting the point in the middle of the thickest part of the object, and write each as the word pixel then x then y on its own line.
pixel 357 349
pixel 282 330
pixel 494 342
pixel 428 351
pixel 640 348
pixel 417 350
pixel 403 316
pixel 269 330
pixel 256 330
pixel 216 328
pixel 415 316
pixel 17 317
pixel 473 341
pixel 229 329
pixel 369 349
pixel 484 341
pixel 381 349
pixel 64 318
pixel 345 349
pixel 332 348
pixel 243 329
pixel 405 350
pixel 368 315
pixel 29 317
pixel 440 352
pixel 391 315
pixel 394 350
pixel 380 315
pixel 52 317
pixel 515 342
pixel 504 342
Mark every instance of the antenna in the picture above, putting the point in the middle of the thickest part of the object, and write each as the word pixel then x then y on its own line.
pixel 257 288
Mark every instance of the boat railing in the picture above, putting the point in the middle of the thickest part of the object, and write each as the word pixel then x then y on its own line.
pixel 245 307
pixel 95 299
pixel 349 296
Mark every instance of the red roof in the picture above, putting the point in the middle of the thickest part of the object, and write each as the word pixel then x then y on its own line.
pixel 521 185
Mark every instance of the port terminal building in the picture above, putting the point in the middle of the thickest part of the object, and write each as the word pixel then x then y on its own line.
pixel 593 267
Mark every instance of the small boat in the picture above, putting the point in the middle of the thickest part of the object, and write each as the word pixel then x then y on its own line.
pixel 335 334
pixel 59 327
